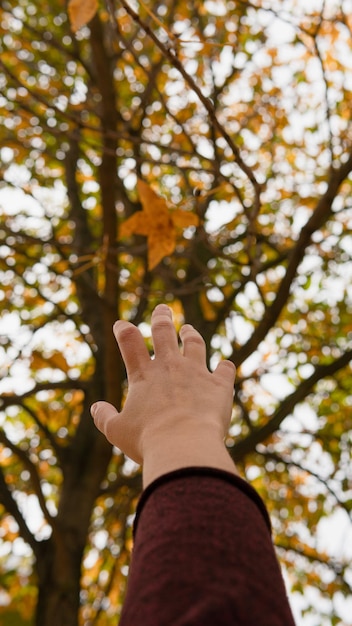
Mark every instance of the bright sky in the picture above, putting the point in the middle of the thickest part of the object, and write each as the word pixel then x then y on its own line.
pixel 334 533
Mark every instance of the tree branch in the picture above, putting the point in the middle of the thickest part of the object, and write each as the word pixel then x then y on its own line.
pixel 10 399
pixel 318 218
pixel 10 504
pixel 258 435
pixel 33 475
pixel 278 458
pixel 169 54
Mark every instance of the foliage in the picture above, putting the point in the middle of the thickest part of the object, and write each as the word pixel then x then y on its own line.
pixel 236 119
pixel 157 223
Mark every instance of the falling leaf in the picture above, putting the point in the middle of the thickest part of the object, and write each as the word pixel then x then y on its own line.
pixel 80 12
pixel 158 223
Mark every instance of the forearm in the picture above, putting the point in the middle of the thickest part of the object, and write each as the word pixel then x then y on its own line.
pixel 203 555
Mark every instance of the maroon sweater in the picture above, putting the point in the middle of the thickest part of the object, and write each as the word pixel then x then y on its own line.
pixel 203 555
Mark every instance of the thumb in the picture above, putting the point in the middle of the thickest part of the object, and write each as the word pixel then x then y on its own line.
pixel 105 417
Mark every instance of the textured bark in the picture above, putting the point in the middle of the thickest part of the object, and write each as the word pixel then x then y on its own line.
pixel 87 456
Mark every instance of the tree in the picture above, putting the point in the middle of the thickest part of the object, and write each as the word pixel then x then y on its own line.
pixel 237 116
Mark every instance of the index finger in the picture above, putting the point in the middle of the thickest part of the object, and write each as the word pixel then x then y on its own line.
pixel 133 349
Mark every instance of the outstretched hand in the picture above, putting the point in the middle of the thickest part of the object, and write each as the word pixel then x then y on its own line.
pixel 177 412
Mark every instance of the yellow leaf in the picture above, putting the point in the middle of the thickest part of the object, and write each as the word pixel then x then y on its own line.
pixel 58 361
pixel 158 223
pixel 137 224
pixel 184 219
pixel 55 360
pixel 160 247
pixel 80 12
pixel 208 310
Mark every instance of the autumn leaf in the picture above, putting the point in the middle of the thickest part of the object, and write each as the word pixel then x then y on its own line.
pixel 207 308
pixel 75 132
pixel 158 223
pixel 80 12
pixel 56 360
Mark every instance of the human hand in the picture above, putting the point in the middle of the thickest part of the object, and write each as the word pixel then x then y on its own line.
pixel 177 412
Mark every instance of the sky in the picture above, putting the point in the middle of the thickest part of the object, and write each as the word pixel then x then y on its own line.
pixel 335 532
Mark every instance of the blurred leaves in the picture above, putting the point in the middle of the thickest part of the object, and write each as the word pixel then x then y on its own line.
pixel 197 154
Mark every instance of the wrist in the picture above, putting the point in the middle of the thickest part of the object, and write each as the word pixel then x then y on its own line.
pixel 188 448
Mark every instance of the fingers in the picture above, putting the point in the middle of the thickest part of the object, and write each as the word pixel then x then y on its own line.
pixel 193 343
pixel 163 332
pixel 133 349
pixel 105 415
pixel 225 371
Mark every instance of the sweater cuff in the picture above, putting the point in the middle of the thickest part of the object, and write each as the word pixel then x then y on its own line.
pixel 218 474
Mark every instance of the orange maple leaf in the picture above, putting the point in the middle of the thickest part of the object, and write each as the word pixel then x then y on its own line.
pixel 158 223
pixel 80 12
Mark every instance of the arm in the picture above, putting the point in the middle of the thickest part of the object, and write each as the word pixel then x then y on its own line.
pixel 202 554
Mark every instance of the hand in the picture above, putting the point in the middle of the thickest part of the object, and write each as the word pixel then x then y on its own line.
pixel 177 412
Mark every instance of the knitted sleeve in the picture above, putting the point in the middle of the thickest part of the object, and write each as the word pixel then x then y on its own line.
pixel 203 555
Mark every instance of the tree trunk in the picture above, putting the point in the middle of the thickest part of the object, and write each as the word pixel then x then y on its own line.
pixel 59 573
pixel 59 559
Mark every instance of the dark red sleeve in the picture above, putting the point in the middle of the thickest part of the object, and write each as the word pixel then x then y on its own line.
pixel 203 556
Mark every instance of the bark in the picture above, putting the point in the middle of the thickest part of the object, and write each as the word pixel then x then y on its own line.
pixel 86 458
pixel 58 569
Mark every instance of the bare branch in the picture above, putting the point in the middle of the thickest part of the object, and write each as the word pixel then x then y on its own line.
pixel 170 55
pixel 319 217
pixel 31 468
pixel 12 399
pixel 11 506
pixel 258 435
